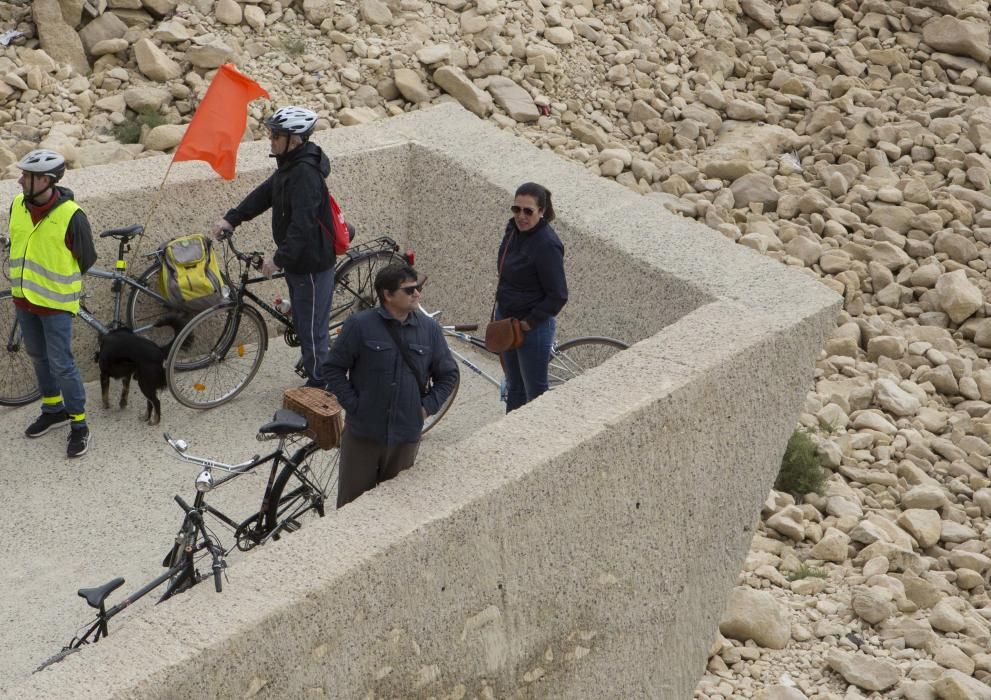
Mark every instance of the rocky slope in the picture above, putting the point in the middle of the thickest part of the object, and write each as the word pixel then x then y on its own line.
pixel 849 139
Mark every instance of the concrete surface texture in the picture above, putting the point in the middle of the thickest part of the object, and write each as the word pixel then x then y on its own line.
pixel 583 546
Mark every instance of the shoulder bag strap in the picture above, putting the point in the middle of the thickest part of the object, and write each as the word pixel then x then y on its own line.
pixel 502 262
pixel 391 326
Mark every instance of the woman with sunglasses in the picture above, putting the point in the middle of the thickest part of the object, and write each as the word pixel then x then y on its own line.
pixel 532 288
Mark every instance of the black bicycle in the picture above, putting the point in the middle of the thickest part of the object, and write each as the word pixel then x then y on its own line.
pixel 300 480
pixel 220 350
pixel 137 304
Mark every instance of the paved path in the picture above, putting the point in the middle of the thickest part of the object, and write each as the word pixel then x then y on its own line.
pixel 68 524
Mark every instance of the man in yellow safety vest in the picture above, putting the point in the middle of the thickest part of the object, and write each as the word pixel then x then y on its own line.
pixel 51 246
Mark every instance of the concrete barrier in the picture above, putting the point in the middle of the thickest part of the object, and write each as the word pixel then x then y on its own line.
pixel 583 546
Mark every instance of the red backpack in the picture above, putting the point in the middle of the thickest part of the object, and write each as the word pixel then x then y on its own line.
pixel 342 237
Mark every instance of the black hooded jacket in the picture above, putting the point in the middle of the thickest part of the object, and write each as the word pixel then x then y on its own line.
pixel 301 219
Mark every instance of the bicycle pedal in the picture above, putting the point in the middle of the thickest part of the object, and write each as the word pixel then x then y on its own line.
pixel 291 525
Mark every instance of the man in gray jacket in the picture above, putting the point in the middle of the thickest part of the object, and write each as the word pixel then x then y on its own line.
pixel 390 368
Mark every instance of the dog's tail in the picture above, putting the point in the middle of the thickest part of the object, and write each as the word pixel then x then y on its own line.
pixel 174 321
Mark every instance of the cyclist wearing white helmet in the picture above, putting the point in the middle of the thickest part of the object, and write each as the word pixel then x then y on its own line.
pixel 301 226
pixel 51 246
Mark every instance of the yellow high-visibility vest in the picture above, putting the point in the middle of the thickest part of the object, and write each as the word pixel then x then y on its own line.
pixel 42 269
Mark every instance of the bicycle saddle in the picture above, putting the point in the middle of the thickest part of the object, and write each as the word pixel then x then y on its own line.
pixel 96 596
pixel 126 233
pixel 285 422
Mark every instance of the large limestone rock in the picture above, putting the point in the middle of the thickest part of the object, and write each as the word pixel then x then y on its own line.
pixel 58 38
pixel 755 187
pixel 866 672
pixel 958 36
pixel 164 137
pixel 145 97
pixel 209 52
pixel 410 86
pixel 375 12
pixel 924 525
pixel 106 26
pixel 958 296
pixel 513 99
pixel 895 400
pixel 72 11
pixel 153 62
pixel 755 615
pixel 316 11
pixel 954 685
pixel 454 82
pixel 160 8
pixel 228 12
pixel 760 12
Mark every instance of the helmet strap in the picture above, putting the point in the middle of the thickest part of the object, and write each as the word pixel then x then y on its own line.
pixel 33 199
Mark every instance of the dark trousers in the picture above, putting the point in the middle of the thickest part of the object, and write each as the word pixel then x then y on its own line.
pixel 365 464
pixel 311 294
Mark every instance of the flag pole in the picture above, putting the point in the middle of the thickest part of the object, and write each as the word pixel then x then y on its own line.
pixel 151 212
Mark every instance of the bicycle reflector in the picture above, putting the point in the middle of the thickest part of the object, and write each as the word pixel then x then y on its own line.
pixel 410 256
pixel 204 482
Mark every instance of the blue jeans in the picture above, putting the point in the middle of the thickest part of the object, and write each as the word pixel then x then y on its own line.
pixel 310 295
pixel 526 366
pixel 48 340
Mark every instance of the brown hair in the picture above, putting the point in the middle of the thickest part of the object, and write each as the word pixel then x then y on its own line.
pixel 541 194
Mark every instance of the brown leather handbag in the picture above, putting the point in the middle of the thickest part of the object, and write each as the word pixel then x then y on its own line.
pixel 506 333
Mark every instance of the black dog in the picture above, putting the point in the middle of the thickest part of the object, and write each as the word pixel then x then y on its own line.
pixel 123 355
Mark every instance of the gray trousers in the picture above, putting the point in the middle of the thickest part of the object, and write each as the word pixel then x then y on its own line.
pixel 365 464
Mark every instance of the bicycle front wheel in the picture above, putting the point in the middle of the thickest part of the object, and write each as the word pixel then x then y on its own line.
pixel 354 283
pixel 308 486
pixel 433 420
pixel 215 356
pixel 142 309
pixel 18 385
pixel 574 357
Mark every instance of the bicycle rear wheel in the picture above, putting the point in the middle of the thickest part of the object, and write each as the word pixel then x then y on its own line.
pixel 216 355
pixel 354 283
pixel 309 486
pixel 433 420
pixel 18 385
pixel 573 357
pixel 142 310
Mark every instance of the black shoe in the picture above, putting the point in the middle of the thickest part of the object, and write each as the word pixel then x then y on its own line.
pixel 78 442
pixel 46 422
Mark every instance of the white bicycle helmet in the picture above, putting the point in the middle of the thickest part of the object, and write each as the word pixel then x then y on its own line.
pixel 298 121
pixel 43 162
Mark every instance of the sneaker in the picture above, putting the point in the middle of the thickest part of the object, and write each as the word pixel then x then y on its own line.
pixel 78 442
pixel 46 422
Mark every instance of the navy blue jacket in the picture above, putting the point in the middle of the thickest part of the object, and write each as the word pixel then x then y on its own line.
pixel 376 388
pixel 532 286
pixel 297 195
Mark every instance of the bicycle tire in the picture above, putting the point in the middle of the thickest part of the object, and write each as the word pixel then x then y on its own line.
pixel 18 385
pixel 142 310
pixel 433 420
pixel 291 497
pixel 578 355
pixel 216 355
pixel 354 283
pixel 56 658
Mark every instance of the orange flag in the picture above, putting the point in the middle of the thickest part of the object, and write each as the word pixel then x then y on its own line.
pixel 217 126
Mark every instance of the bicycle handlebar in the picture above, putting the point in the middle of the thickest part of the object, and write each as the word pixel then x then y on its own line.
pixel 182 504
pixel 180 446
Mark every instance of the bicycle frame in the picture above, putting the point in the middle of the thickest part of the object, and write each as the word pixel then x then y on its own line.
pixel 118 279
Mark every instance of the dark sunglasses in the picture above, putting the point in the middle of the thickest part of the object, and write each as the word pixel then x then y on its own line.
pixel 529 211
pixel 413 287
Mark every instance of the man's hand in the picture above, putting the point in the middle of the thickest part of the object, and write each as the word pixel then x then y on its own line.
pixel 220 227
pixel 269 267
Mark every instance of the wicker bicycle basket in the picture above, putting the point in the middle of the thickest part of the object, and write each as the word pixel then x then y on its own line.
pixel 321 411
